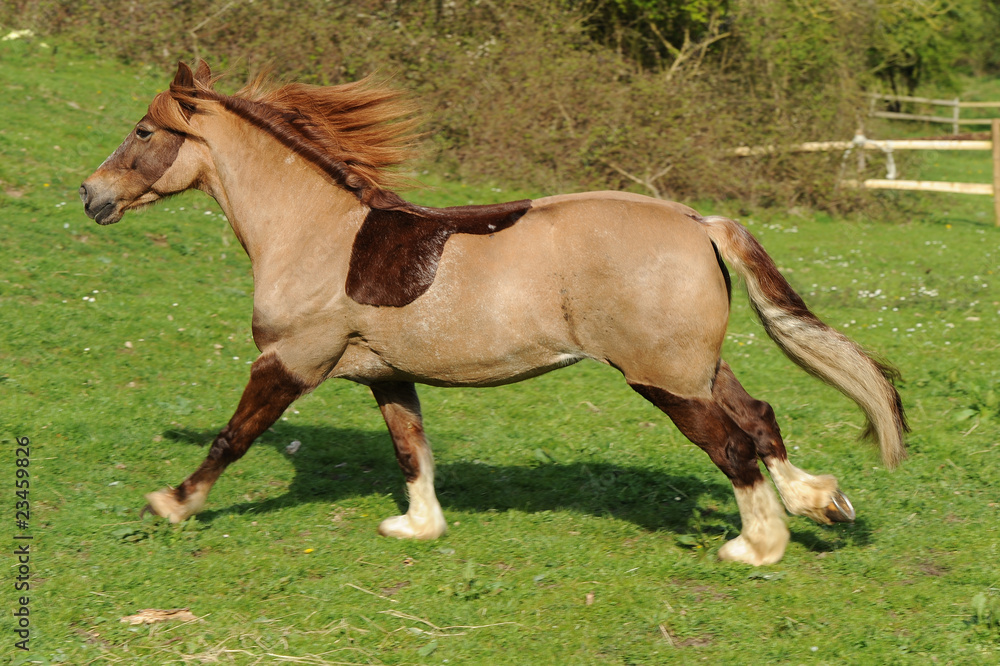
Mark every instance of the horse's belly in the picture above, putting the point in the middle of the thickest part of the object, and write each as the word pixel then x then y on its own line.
pixel 444 365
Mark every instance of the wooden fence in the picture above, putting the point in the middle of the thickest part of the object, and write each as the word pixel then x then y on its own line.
pixel 956 105
pixel 888 146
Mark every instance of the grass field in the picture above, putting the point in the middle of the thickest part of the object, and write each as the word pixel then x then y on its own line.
pixel 583 527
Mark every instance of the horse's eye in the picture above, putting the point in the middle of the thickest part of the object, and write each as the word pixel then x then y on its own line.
pixel 143 133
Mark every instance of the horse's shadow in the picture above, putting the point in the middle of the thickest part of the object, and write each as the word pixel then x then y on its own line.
pixel 336 463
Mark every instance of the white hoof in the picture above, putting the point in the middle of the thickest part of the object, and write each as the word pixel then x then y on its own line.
pixel 164 504
pixel 741 550
pixel 407 527
pixel 764 534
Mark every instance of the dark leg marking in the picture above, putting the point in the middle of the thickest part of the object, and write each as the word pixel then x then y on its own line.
pixel 271 389
pixel 708 425
pixel 401 410
pixel 755 417
pixel 763 535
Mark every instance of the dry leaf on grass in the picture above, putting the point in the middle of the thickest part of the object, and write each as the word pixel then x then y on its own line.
pixel 152 615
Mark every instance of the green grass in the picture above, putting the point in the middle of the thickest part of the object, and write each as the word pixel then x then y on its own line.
pixel 556 488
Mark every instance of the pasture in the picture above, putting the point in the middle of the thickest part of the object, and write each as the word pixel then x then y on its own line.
pixel 583 527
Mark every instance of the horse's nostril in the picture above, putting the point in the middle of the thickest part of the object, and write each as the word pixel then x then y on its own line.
pixel 84 194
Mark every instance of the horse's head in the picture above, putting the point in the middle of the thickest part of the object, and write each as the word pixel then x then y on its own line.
pixel 163 155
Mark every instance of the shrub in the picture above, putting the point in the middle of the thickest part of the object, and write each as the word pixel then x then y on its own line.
pixel 557 94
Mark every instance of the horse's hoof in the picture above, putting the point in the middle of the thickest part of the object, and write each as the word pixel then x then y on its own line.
pixel 741 550
pixel 404 527
pixel 840 510
pixel 164 504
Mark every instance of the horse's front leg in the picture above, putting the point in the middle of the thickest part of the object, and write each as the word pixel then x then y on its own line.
pixel 401 409
pixel 272 387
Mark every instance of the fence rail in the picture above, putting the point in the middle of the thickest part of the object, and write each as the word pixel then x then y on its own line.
pixel 888 146
pixel 922 185
pixel 868 144
pixel 955 104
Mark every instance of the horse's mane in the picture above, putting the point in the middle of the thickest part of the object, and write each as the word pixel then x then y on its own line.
pixel 355 132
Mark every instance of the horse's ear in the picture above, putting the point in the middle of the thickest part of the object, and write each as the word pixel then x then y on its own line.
pixel 184 78
pixel 203 74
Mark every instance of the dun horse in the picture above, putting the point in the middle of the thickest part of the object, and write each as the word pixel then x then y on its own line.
pixel 352 281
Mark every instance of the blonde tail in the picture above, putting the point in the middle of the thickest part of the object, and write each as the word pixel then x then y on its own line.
pixel 818 349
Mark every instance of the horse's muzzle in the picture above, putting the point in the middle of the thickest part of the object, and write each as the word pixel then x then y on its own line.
pixel 101 211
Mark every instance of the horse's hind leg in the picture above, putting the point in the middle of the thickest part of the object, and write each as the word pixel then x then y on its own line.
pixel 803 494
pixel 764 534
pixel 272 387
pixel 401 410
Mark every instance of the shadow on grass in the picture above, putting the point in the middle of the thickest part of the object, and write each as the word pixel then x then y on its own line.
pixel 336 463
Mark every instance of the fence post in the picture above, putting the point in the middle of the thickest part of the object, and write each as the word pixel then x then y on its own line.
pixel 955 112
pixel 995 136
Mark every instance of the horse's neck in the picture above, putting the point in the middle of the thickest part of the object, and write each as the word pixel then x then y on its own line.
pixel 281 207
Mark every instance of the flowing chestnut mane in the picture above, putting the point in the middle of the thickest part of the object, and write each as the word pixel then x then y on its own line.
pixel 355 132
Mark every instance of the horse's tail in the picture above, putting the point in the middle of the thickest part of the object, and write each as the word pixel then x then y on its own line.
pixel 818 349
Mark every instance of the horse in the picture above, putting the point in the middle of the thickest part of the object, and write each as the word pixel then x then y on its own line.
pixel 351 281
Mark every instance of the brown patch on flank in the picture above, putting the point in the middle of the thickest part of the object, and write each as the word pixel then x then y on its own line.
pixel 396 252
